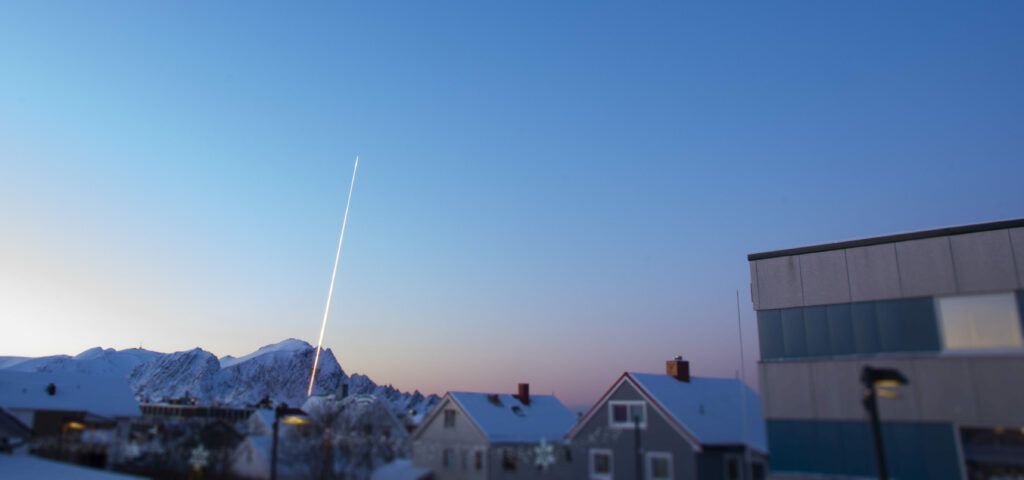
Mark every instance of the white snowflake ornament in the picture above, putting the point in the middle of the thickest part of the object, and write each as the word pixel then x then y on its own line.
pixel 200 457
pixel 544 455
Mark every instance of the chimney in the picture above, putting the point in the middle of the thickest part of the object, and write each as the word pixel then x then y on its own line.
pixel 524 393
pixel 678 369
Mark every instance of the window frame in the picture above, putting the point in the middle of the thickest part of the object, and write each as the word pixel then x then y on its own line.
pixel 649 471
pixel 1018 326
pixel 627 425
pixel 593 452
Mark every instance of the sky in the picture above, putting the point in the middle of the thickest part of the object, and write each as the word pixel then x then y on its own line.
pixel 547 193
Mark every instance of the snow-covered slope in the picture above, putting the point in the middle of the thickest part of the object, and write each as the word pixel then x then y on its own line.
pixel 279 371
pixel 95 361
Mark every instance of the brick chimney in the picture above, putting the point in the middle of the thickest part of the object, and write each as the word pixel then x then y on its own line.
pixel 524 393
pixel 678 369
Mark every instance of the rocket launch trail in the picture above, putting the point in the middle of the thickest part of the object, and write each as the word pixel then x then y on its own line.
pixel 334 274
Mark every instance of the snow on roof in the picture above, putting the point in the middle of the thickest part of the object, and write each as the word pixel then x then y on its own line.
pixel 17 467
pixel 710 408
pixel 400 469
pixel 100 395
pixel 509 421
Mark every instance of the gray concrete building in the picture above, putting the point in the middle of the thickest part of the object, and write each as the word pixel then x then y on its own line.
pixel 941 306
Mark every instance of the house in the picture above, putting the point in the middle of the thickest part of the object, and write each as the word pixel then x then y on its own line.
pixel 671 426
pixel 13 432
pixel 494 436
pixel 251 458
pixel 62 409
pixel 28 467
pixel 942 308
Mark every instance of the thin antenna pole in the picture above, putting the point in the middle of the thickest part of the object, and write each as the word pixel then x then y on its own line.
pixel 334 274
pixel 743 392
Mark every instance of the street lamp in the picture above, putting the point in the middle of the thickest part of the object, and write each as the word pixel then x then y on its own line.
pixel 291 416
pixel 876 380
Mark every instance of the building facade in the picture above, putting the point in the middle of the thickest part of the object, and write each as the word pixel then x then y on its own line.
pixel 943 307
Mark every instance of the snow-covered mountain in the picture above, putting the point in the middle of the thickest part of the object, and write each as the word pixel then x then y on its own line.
pixel 279 371
pixel 95 361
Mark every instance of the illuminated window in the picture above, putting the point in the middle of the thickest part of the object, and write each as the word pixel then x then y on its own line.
pixel 627 414
pixel 659 466
pixel 980 321
pixel 600 464
pixel 449 419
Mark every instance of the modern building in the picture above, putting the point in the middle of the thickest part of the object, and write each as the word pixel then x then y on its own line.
pixel 671 426
pixel 942 307
pixel 494 436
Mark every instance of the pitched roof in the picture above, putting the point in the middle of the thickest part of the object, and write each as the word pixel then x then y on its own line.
pixel 504 419
pixel 29 467
pixel 710 408
pixel 100 395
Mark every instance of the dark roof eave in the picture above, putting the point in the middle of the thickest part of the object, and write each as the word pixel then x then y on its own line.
pixel 901 237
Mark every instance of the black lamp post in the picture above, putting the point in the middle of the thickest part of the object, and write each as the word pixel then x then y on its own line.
pixel 292 416
pixel 873 378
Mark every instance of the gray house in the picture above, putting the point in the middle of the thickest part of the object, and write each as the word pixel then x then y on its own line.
pixel 671 426
pixel 494 436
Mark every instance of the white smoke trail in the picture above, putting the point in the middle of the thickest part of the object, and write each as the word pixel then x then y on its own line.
pixel 330 291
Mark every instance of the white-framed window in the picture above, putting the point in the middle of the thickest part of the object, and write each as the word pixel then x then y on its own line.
pixel 979 321
pixel 600 460
pixel 449 418
pixel 448 458
pixel 625 413
pixel 659 466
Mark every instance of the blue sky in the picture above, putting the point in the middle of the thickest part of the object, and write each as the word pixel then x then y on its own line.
pixel 547 193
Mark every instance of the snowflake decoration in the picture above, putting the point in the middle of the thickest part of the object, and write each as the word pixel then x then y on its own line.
pixel 544 455
pixel 132 450
pixel 200 457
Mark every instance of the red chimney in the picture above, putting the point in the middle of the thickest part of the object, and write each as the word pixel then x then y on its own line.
pixel 524 393
pixel 678 369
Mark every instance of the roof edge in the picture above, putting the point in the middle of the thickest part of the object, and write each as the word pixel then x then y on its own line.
pixel 900 237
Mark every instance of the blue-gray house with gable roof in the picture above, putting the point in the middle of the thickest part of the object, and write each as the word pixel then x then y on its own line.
pixel 494 436
pixel 671 426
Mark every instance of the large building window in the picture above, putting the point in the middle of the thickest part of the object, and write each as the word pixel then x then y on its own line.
pixel 600 464
pixel 627 414
pixel 980 321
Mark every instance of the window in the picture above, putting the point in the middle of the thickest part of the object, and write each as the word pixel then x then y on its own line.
pixel 600 464
pixel 979 321
pixel 449 419
pixel 627 414
pixel 448 458
pixel 508 459
pixel 659 466
pixel 757 469
pixel 732 468
pixel 478 460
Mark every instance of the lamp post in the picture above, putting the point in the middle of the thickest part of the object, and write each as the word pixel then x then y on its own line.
pixel 292 416
pixel 873 379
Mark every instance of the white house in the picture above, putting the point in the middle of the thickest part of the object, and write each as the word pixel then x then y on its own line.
pixel 494 436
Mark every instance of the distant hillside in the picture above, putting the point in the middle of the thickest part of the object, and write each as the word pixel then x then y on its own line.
pixel 279 371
